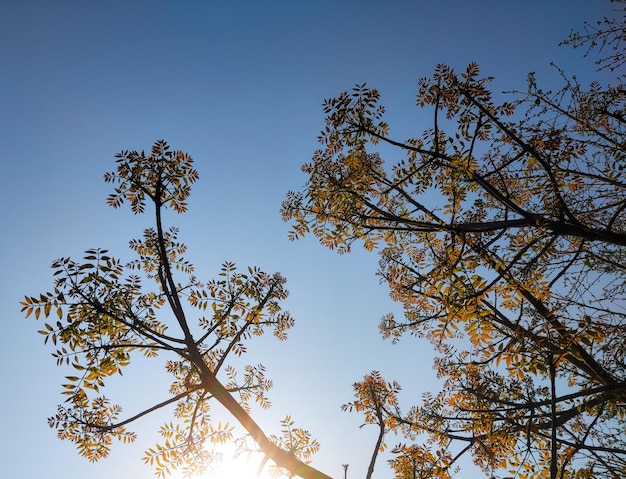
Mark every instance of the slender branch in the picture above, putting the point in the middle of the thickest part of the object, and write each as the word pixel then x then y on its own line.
pixel 379 442
pixel 145 412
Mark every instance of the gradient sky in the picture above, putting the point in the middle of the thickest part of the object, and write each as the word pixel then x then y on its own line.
pixel 239 86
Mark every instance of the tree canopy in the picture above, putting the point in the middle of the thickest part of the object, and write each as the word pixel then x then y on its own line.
pixel 503 234
pixel 106 313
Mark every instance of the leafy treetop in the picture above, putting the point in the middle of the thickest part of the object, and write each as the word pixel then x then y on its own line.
pixel 503 234
pixel 105 313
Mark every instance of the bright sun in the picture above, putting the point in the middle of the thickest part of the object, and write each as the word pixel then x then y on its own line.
pixel 243 467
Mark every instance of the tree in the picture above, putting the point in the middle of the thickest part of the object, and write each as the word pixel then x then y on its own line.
pixel 105 314
pixel 503 235
pixel 373 396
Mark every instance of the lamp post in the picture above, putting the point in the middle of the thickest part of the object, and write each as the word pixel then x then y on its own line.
pixel 345 471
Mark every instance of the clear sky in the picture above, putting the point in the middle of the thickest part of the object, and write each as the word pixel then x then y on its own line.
pixel 239 86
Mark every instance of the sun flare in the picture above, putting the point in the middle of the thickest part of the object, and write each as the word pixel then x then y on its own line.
pixel 242 467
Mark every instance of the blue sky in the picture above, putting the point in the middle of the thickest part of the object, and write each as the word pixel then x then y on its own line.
pixel 239 86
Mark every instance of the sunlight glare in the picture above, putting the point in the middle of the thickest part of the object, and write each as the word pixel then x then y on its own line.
pixel 243 467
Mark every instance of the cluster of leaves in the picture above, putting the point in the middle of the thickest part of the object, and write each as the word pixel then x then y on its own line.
pixel 374 396
pixel 292 439
pixel 296 440
pixel 503 235
pixel 105 313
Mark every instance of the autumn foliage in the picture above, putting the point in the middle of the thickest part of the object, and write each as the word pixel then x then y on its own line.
pixel 103 313
pixel 502 233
